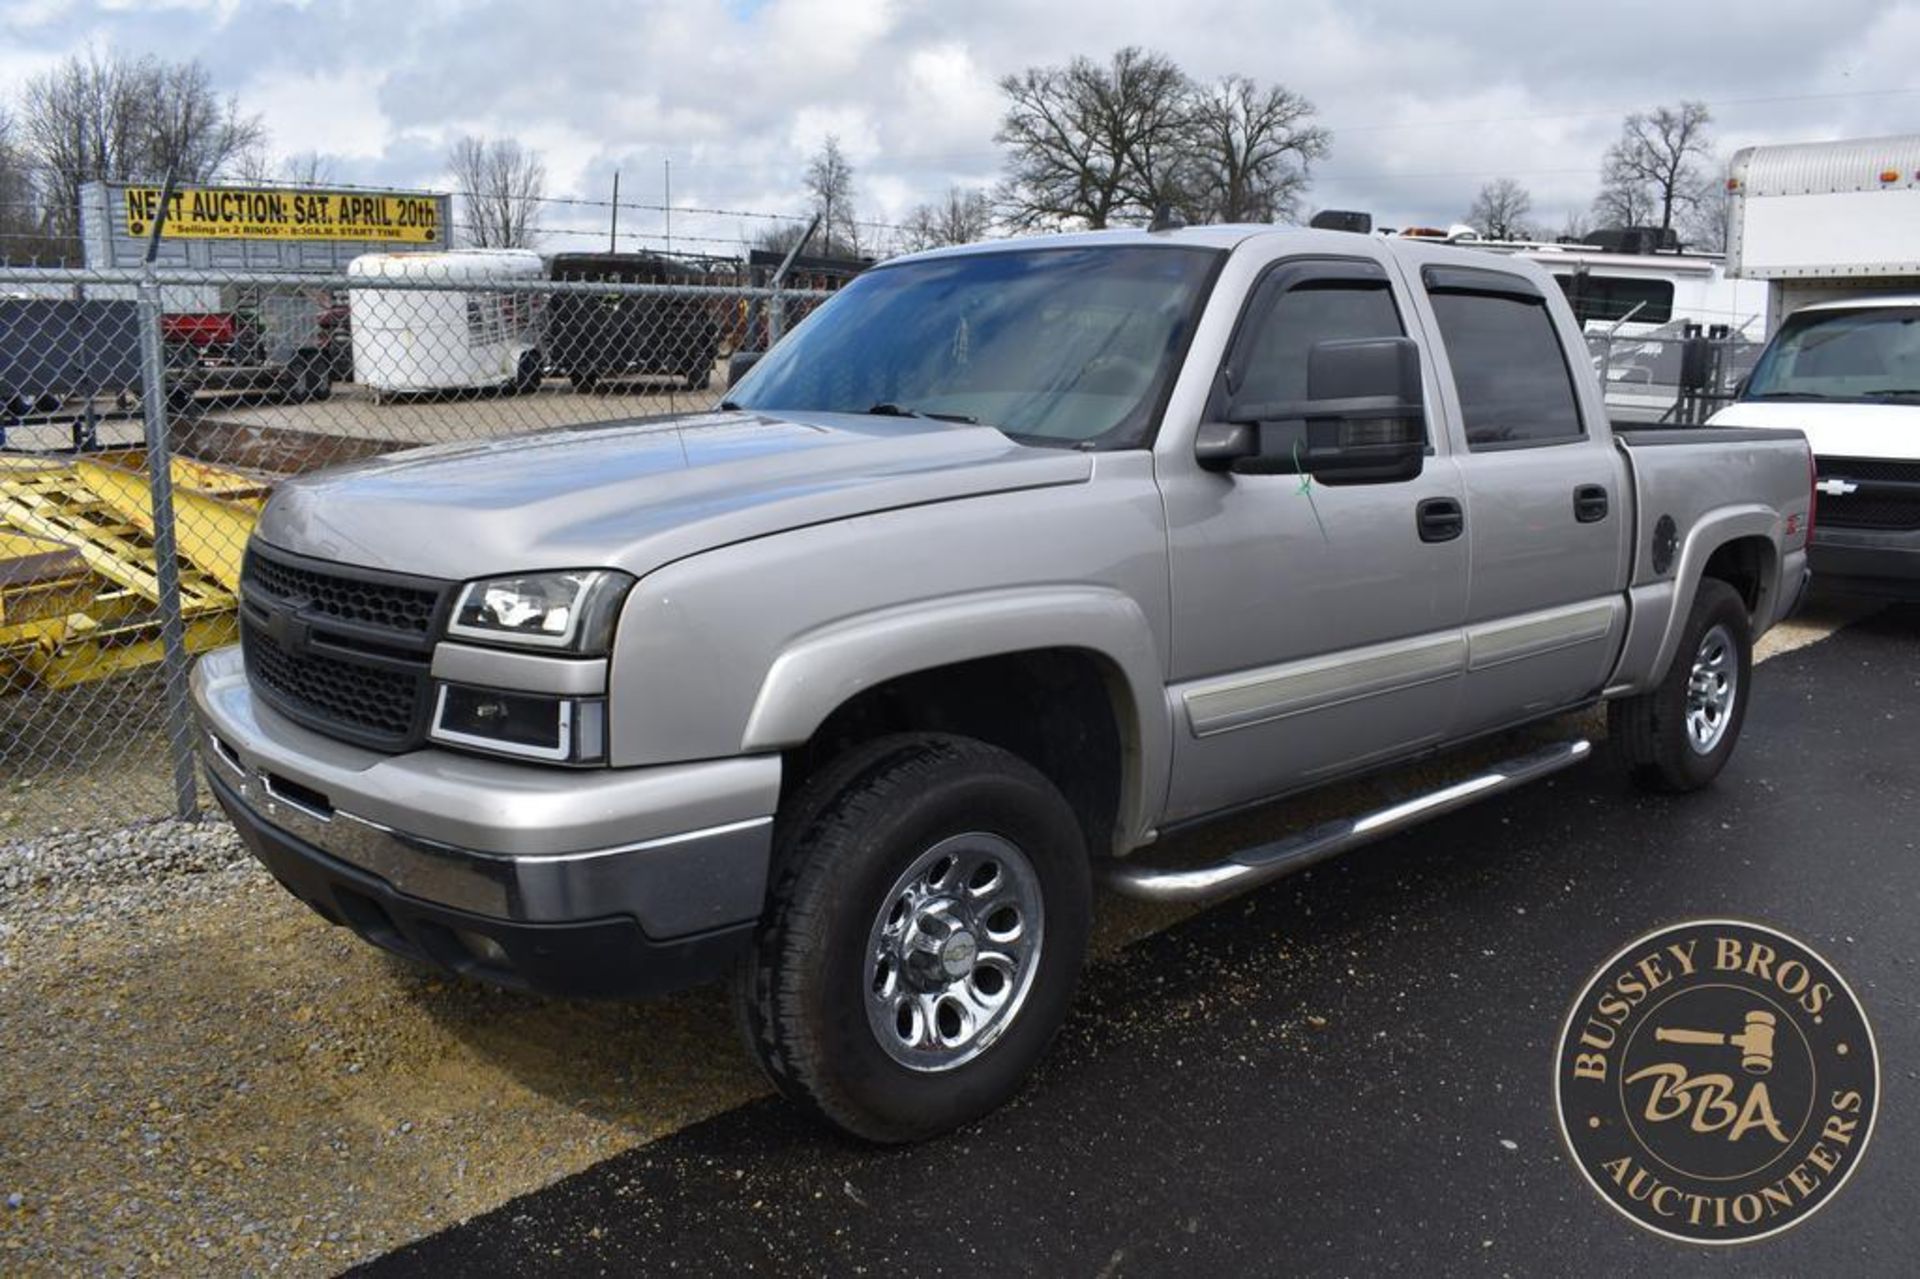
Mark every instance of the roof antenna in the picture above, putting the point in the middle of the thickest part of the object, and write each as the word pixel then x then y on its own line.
pixel 1165 219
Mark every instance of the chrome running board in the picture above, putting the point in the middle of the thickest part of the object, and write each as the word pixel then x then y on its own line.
pixel 1257 865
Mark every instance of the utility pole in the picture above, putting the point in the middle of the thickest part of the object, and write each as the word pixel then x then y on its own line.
pixel 667 202
pixel 613 226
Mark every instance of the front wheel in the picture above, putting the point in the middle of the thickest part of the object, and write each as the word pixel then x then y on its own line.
pixel 1679 736
pixel 925 933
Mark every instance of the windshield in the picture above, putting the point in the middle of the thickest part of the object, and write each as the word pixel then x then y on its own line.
pixel 1062 346
pixel 1842 355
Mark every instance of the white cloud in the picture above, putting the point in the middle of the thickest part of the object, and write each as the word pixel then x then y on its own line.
pixel 335 114
pixel 1426 102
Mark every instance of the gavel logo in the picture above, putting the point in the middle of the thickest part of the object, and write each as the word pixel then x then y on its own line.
pixel 1755 1042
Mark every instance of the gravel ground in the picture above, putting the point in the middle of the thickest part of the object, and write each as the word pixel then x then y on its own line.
pixel 200 1075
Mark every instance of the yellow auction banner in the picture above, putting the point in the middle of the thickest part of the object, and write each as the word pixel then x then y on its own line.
pixel 267 213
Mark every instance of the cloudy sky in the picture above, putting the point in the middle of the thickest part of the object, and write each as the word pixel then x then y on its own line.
pixel 1426 102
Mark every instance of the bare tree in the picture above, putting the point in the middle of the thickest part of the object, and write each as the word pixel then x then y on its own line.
pixel 301 169
pixel 81 124
pixel 501 185
pixel 782 237
pixel 1500 211
pixel 1705 227
pixel 1622 204
pixel 307 169
pixel 192 129
pixel 1088 143
pixel 1653 175
pixel 829 182
pixel 1574 228
pixel 19 211
pixel 114 118
pixel 960 218
pixel 1251 152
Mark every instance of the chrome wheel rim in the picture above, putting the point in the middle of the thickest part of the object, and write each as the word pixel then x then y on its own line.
pixel 1712 686
pixel 952 951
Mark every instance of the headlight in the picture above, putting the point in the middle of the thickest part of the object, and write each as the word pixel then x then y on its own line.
pixel 571 612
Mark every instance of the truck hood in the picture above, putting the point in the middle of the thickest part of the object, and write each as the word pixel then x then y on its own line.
pixel 1889 431
pixel 637 495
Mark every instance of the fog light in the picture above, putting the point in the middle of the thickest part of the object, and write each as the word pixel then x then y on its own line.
pixel 483 948
pixel 524 724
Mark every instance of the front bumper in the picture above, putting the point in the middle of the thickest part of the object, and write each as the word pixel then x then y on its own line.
pixel 569 881
pixel 1867 561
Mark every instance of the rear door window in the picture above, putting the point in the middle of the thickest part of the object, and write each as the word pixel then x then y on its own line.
pixel 1512 376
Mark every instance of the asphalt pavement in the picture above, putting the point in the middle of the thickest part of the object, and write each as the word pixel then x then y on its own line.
pixel 1350 1071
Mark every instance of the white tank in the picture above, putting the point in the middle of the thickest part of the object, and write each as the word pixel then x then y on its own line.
pixel 410 339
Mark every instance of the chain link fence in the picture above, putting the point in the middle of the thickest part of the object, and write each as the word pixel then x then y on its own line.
pixel 1677 377
pixel 146 417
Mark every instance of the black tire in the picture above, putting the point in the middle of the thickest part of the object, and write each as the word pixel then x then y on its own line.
pixel 527 373
pixel 584 380
pixel 842 845
pixel 308 378
pixel 1650 733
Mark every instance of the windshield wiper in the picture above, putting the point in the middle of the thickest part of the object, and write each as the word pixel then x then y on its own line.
pixel 887 408
pixel 1893 392
pixel 1784 395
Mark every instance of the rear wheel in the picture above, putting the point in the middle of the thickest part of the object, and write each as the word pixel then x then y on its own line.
pixel 527 374
pixel 1679 736
pixel 927 924
pixel 307 378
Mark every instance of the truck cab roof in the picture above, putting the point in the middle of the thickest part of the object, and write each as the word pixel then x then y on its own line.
pixel 1235 235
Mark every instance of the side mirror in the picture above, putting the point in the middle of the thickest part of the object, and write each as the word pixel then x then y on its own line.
pixel 1361 423
pixel 739 362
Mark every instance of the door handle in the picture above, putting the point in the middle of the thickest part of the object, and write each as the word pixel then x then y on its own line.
pixel 1440 519
pixel 1590 503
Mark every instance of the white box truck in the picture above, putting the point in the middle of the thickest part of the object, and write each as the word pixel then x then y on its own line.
pixel 1836 227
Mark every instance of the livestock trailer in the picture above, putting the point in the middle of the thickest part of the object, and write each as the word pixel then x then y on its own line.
pixel 430 322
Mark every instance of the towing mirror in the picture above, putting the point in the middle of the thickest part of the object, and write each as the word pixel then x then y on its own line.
pixel 739 362
pixel 1363 421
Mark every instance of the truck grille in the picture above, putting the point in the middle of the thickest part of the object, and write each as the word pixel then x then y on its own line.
pixel 344 651
pixel 387 604
pixel 1887 496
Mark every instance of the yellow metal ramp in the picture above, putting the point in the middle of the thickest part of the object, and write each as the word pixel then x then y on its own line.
pixel 79 583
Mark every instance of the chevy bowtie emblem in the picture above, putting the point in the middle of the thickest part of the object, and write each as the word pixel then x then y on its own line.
pixel 1837 488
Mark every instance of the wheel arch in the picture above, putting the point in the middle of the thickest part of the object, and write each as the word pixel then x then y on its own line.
pixel 1737 545
pixel 958 664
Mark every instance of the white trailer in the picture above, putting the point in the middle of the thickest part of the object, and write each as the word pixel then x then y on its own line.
pixel 1836 227
pixel 414 337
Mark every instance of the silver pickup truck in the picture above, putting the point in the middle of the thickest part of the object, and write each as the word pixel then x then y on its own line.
pixel 1006 562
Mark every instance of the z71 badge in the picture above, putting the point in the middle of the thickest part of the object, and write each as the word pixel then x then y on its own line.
pixel 1716 1081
